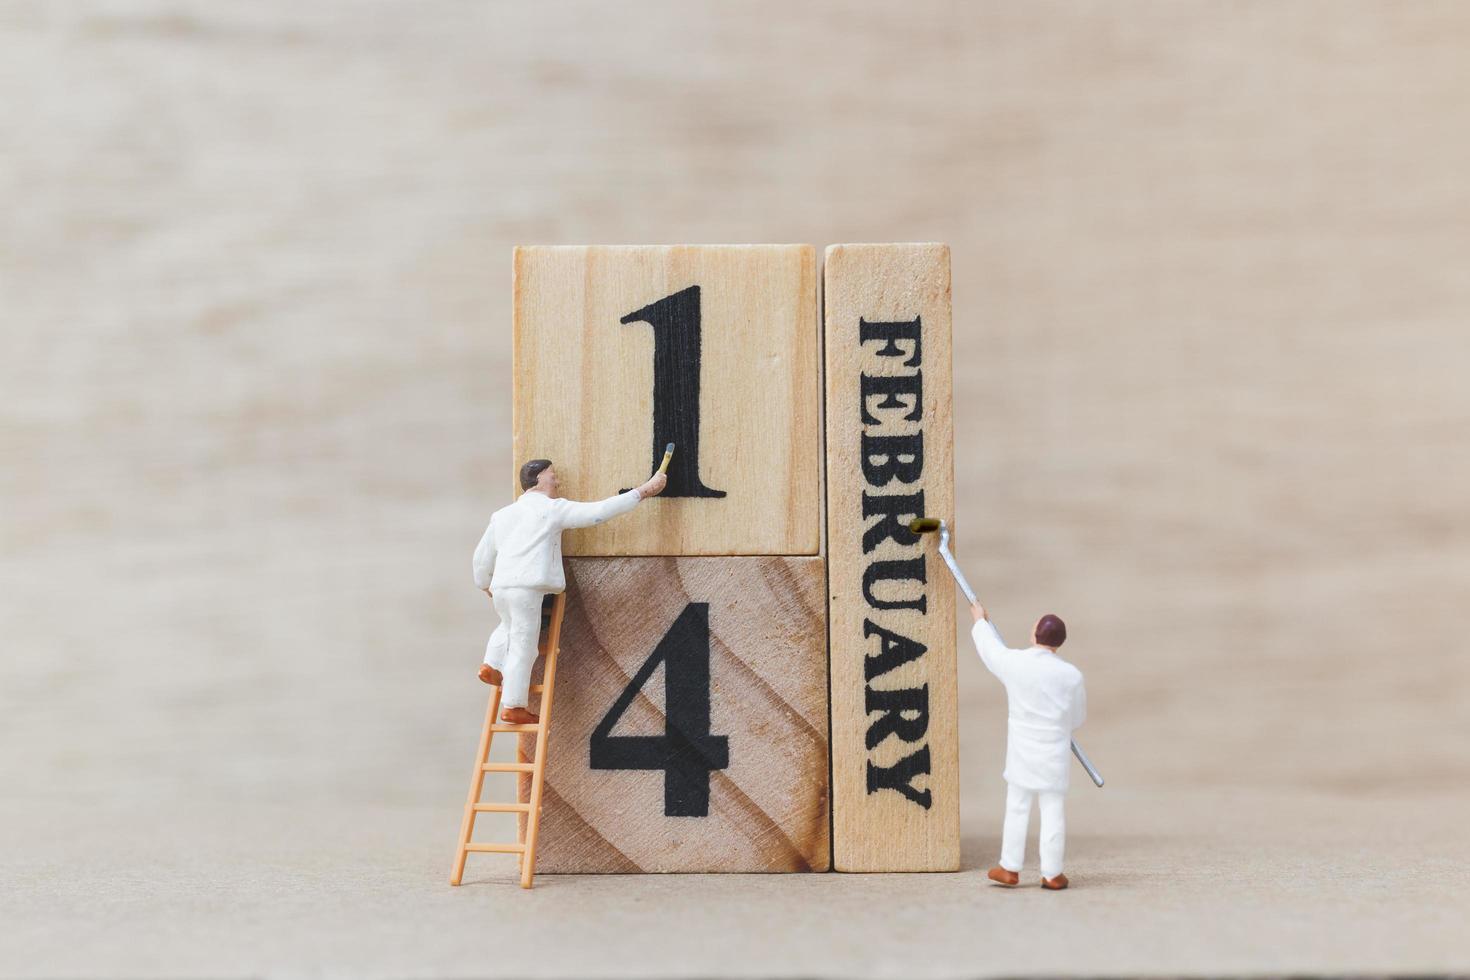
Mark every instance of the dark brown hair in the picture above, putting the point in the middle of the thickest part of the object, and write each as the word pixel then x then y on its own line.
pixel 1051 631
pixel 532 471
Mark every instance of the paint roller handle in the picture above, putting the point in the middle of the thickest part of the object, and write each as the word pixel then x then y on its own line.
pixel 954 568
pixel 1087 764
pixel 928 525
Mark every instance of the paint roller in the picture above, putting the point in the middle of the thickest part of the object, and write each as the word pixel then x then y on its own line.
pixel 928 525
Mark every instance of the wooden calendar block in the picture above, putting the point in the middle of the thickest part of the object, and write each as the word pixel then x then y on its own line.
pixel 689 730
pixel 890 458
pixel 621 349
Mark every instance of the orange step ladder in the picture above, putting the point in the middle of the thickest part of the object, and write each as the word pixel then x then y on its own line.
pixel 525 845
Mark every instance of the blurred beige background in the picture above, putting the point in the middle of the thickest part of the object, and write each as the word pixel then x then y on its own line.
pixel 1211 299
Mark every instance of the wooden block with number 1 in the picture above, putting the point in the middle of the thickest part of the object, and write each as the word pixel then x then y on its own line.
pixel 620 350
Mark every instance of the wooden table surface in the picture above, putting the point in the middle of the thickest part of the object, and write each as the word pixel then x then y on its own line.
pixel 1211 303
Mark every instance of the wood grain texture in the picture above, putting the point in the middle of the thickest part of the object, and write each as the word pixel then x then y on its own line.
pixel 584 391
pixel 768 809
pixel 890 457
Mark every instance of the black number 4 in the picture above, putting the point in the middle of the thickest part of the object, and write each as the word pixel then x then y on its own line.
pixel 686 751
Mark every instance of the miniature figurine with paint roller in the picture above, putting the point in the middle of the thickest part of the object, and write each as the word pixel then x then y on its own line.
pixel 929 525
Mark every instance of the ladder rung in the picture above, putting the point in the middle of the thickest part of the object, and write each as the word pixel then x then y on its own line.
pixel 503 727
pixel 502 808
pixel 495 848
pixel 537 688
pixel 509 767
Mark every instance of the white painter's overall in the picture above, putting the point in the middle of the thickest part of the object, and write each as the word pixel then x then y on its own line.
pixel 1046 702
pixel 519 561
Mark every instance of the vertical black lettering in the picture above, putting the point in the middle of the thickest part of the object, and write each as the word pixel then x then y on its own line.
pixel 907 569
pixel 887 458
pixel 894 650
pixel 896 509
pixel 899 777
pixel 904 712
pixel 892 388
pixel 891 332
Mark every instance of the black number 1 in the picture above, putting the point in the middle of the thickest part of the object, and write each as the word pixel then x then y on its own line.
pixel 676 348
pixel 686 751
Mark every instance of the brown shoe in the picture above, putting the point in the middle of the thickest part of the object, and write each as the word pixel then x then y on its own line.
pixel 519 716
pixel 1054 884
pixel 490 675
pixel 1001 876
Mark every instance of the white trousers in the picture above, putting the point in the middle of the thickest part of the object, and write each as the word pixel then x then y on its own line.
pixel 512 647
pixel 1053 829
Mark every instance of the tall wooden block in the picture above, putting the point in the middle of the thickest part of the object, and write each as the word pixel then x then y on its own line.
pixel 689 730
pixel 621 349
pixel 890 458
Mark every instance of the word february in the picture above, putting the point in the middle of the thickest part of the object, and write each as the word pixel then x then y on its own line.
pixel 891 404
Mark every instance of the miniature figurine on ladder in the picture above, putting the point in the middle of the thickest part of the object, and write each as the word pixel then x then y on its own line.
pixel 518 565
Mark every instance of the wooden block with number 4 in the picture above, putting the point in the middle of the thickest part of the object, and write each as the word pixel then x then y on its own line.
pixel 689 731
pixel 622 349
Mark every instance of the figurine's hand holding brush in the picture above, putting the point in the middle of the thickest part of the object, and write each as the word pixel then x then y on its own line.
pixel 659 479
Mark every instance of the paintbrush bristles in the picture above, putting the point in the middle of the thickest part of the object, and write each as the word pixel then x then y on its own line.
pixel 924 525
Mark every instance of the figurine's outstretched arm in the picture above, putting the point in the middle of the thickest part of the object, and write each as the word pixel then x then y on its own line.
pixel 926 525
pixel 993 650
pixel 577 513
